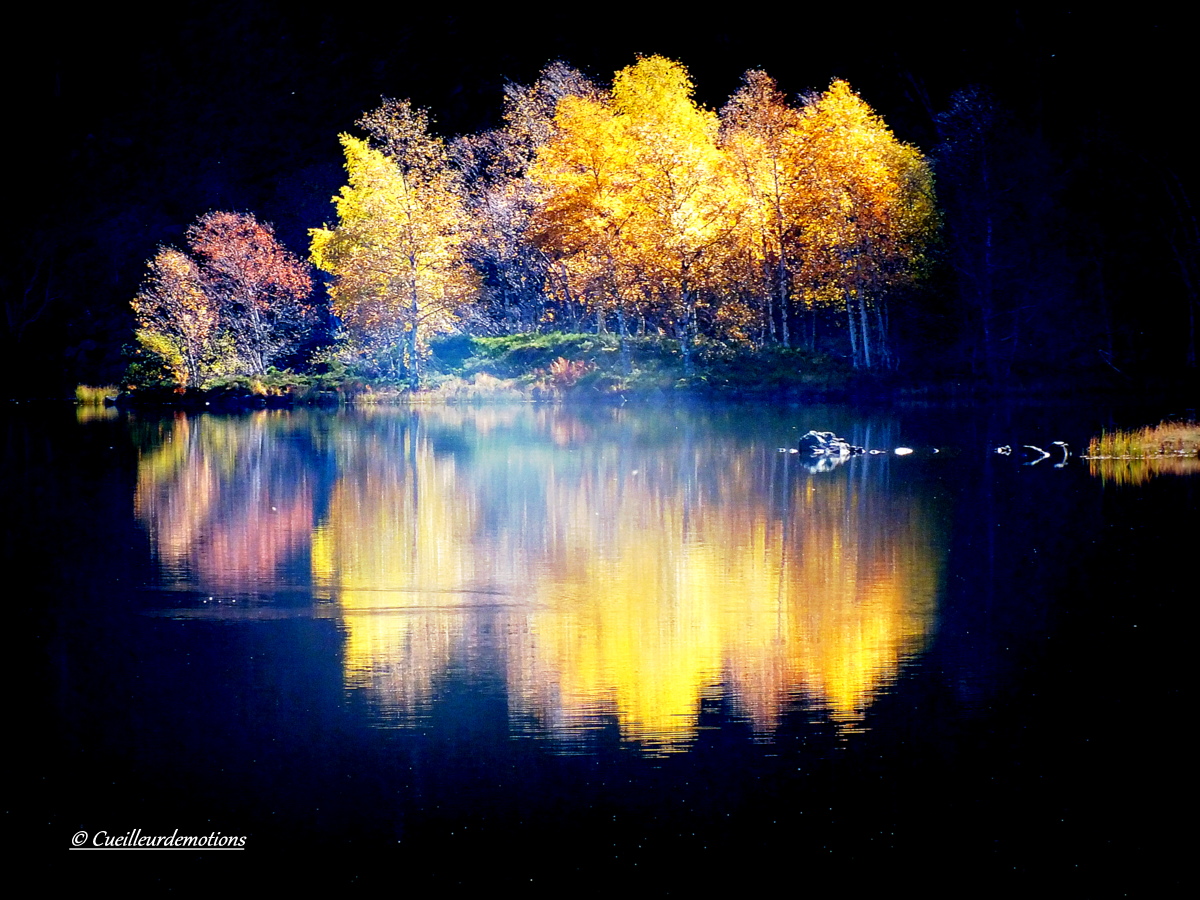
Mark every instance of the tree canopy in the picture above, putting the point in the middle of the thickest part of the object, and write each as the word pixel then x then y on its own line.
pixel 398 252
pixel 632 208
pixel 237 304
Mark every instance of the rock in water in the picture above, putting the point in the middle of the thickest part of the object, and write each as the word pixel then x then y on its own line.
pixel 826 443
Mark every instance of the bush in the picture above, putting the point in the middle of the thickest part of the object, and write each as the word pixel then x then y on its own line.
pixel 89 395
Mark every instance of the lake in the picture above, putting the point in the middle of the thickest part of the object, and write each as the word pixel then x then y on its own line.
pixel 598 648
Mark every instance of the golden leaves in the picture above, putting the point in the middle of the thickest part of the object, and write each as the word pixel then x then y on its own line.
pixel 649 200
pixel 634 191
pixel 636 201
pixel 398 250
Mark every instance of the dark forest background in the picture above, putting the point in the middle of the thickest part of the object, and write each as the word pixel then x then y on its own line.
pixel 1059 135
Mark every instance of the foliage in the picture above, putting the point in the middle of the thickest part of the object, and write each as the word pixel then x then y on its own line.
pixel 236 304
pixel 260 287
pixel 635 199
pixel 655 211
pixel 514 355
pixel 1133 456
pixel 1164 439
pixel 514 274
pixel 566 372
pixel 867 213
pixel 592 364
pixel 398 252
pixel 699 239
pixel 177 320
pixel 757 129
pixel 93 395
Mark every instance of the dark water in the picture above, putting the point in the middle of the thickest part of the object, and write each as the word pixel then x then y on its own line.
pixel 600 649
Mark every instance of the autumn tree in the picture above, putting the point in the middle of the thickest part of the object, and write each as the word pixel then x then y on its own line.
pixel 583 178
pixel 236 304
pixel 260 288
pixel 758 129
pixel 866 209
pixel 502 199
pixel 635 199
pixel 683 204
pixel 398 252
pixel 177 321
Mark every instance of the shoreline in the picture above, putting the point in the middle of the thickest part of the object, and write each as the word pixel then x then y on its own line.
pixel 488 391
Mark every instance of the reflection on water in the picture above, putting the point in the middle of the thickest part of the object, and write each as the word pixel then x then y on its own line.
pixel 607 566
pixel 228 502
pixel 1139 470
pixel 91 412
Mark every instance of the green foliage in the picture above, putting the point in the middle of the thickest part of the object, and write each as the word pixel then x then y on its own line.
pixel 532 367
pixel 162 359
pixel 145 368
pixel 774 367
pixel 450 351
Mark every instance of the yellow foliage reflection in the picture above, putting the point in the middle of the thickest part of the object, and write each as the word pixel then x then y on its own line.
pixel 1139 470
pixel 624 583
pixel 606 568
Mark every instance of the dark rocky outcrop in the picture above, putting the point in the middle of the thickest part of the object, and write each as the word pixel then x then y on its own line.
pixel 826 443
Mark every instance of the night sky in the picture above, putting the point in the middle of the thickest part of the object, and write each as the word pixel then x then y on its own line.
pixel 134 125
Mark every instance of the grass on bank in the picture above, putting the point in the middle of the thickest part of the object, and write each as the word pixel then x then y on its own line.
pixel 521 367
pixel 1136 455
pixel 1167 439
pixel 272 389
pixel 557 365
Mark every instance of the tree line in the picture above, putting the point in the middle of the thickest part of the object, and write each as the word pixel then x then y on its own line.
pixel 628 208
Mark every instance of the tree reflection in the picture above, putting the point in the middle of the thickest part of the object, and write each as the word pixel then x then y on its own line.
pixel 228 502
pixel 606 566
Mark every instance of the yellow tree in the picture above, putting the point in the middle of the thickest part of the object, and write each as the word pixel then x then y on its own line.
pixel 635 200
pixel 866 213
pixel 684 204
pixel 584 185
pixel 758 127
pixel 397 253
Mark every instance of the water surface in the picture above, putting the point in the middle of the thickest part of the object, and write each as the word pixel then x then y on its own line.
pixel 604 642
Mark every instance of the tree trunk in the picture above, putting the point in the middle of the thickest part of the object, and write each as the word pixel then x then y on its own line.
pixel 414 309
pixel 853 332
pixel 881 329
pixel 866 335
